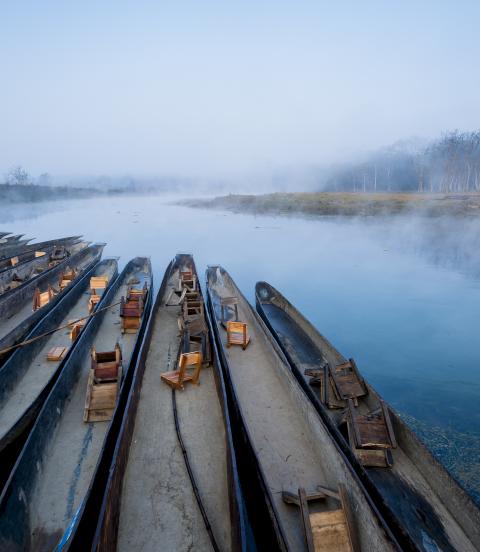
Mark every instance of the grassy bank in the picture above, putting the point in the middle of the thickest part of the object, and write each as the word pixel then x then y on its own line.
pixel 346 204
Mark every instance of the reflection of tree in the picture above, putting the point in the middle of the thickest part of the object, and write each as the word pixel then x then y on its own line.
pixel 18 176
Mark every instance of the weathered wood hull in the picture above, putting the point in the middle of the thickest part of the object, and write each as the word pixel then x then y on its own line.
pixel 287 442
pixel 46 246
pixel 25 359
pixel 107 533
pixel 30 269
pixel 16 315
pixel 425 509
pixel 51 498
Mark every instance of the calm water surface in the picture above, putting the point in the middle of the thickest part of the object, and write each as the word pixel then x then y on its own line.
pixel 388 293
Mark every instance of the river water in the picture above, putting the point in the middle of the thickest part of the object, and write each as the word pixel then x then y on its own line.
pixel 401 296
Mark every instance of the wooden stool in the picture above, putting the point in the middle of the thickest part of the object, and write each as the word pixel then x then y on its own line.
pixel 237 334
pixel 104 382
pixel 177 378
pixel 330 530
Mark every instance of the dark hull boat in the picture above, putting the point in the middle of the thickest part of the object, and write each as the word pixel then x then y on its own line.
pixel 13 278
pixel 30 372
pixel 30 250
pixel 155 498
pixel 52 494
pixel 20 311
pixel 3 234
pixel 14 247
pixel 425 507
pixel 311 494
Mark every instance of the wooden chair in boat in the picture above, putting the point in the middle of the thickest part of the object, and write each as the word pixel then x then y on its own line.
pixel 176 298
pixel 371 435
pixel 56 354
pixel 189 366
pixel 66 278
pixel 39 254
pixel 40 299
pixel 58 254
pixel 136 294
pixel 229 308
pixel 195 338
pixel 188 280
pixel 14 261
pixel 131 312
pixel 97 283
pixel 326 530
pixel 192 309
pixel 237 334
pixel 103 385
pixel 349 384
pixel 76 326
pixel 328 393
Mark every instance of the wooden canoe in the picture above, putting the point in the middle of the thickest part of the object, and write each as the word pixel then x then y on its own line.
pixel 51 498
pixel 16 313
pixel 14 277
pixel 154 500
pixel 47 246
pixel 28 376
pixel 426 509
pixel 289 442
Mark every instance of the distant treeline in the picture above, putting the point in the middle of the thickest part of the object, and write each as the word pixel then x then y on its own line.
pixel 450 164
pixel 16 193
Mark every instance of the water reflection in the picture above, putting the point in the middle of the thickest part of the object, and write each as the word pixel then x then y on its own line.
pixel 394 295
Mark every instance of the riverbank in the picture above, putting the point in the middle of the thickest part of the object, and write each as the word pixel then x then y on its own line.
pixel 345 204
pixel 34 193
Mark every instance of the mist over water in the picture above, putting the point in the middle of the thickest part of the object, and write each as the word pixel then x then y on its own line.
pixel 390 293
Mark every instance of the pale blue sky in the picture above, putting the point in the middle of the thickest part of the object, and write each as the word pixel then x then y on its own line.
pixel 217 88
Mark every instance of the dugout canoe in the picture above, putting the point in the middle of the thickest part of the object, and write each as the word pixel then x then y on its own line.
pixel 153 500
pixel 15 247
pixel 46 246
pixel 14 277
pixel 28 376
pixel 290 446
pixel 51 497
pixel 16 310
pixel 424 506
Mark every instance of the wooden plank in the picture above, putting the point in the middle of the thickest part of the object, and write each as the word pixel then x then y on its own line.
pixel 388 422
pixel 302 497
pixel 56 353
pixel 352 534
pixel 329 531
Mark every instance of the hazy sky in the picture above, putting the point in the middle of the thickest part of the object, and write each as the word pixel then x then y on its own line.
pixel 214 88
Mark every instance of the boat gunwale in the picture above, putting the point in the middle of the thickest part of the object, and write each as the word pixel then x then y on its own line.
pixel 401 533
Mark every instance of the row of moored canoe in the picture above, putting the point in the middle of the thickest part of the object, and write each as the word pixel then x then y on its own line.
pixel 192 421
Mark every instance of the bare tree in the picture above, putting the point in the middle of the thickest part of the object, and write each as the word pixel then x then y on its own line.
pixel 18 176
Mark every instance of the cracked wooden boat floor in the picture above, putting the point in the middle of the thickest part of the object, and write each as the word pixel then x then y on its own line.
pixel 72 454
pixel 159 510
